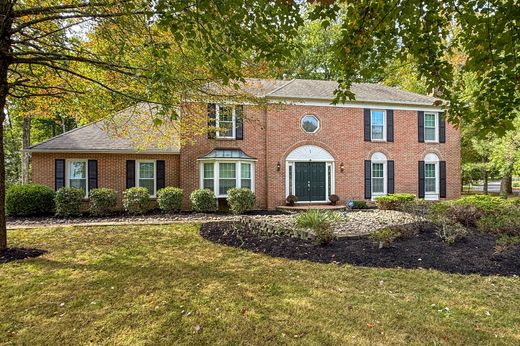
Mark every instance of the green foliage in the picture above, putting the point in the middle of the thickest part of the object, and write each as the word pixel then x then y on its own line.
pixel 395 201
pixel 102 201
pixel 203 200
pixel 320 222
pixel 384 236
pixel 169 199
pixel 291 200
pixel 359 205
pixel 136 200
pixel 68 201
pixel 241 200
pixel 507 221
pixel 451 232
pixel 516 184
pixel 508 240
pixel 29 200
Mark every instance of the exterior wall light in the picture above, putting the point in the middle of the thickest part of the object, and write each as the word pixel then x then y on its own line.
pixel 342 167
pixel 278 166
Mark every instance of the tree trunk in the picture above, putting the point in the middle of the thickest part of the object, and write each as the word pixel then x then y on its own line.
pixel 6 22
pixel 26 143
pixel 510 184
pixel 504 193
pixel 486 182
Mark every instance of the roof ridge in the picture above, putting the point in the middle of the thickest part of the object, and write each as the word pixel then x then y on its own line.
pixel 281 87
pixel 64 133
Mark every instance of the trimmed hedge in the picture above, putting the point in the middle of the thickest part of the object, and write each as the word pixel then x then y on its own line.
pixel 136 200
pixel 68 201
pixel 169 199
pixel 29 200
pixel 241 200
pixel 203 200
pixel 395 201
pixel 102 201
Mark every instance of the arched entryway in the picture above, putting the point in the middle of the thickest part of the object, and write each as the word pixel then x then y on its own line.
pixel 310 174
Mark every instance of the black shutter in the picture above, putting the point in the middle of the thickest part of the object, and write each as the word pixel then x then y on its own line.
pixel 59 174
pixel 368 179
pixel 239 114
pixel 389 125
pixel 420 116
pixel 442 179
pixel 421 179
pixel 367 125
pixel 92 175
pixel 390 179
pixel 442 128
pixel 212 116
pixel 130 173
pixel 160 174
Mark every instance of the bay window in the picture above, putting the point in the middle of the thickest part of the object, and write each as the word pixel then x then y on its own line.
pixel 220 176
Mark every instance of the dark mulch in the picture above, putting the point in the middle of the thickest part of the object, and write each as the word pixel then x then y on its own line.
pixel 13 254
pixel 475 254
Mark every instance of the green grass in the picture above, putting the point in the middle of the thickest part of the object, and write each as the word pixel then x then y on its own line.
pixel 135 285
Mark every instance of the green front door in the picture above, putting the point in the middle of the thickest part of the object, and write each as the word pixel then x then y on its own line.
pixel 310 181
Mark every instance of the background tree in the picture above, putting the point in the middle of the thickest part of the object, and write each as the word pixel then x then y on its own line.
pixel 58 39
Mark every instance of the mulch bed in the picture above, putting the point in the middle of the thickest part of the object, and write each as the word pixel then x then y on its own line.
pixel 12 254
pixel 475 254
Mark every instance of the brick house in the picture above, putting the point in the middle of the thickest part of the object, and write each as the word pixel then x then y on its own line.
pixel 386 141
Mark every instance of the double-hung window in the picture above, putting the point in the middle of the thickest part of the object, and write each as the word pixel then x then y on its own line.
pixel 226 122
pixel 379 170
pixel 220 176
pixel 77 175
pixel 146 176
pixel 377 125
pixel 430 178
pixel 431 127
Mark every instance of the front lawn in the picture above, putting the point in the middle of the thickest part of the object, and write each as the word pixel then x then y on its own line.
pixel 166 285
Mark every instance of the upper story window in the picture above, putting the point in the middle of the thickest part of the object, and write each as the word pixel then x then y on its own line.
pixel 378 122
pixel 310 123
pixel 431 127
pixel 226 121
pixel 145 173
pixel 77 175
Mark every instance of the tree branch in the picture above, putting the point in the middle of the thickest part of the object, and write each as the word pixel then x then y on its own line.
pixel 54 9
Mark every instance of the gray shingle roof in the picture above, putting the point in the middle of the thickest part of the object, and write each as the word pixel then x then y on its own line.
pixel 366 92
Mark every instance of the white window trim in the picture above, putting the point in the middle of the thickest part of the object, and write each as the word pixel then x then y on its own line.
pixel 216 174
pixel 310 115
pixel 385 179
pixel 137 175
pixel 436 140
pixel 384 125
pixel 432 196
pixel 233 119
pixel 293 183
pixel 67 173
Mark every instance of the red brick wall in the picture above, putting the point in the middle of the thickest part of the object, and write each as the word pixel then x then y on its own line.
pixel 271 135
pixel 341 133
pixel 111 168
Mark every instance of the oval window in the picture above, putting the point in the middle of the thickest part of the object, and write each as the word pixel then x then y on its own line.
pixel 310 123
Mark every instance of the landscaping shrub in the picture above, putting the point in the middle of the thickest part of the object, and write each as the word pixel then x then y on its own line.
pixel 485 204
pixel 29 200
pixel 395 201
pixel 102 201
pixel 203 200
pixel 516 184
pixel 508 240
pixel 169 199
pixel 240 200
pixel 384 236
pixel 136 200
pixel 321 222
pixel 359 205
pixel 68 201
pixel 291 200
pixel 451 232
pixel 507 221
pixel 334 199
